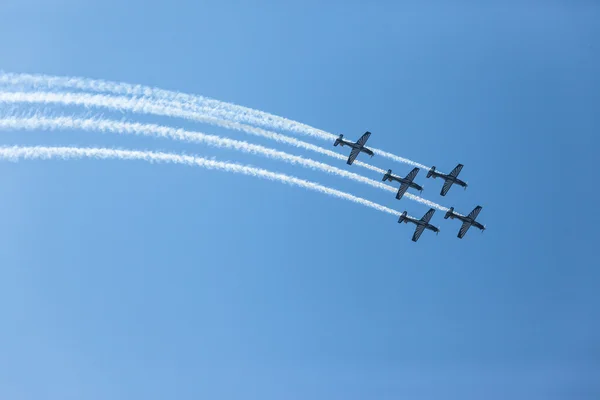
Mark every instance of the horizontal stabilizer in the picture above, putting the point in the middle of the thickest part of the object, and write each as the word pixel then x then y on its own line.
pixel 402 217
pixel 387 175
pixel 338 140
pixel 431 171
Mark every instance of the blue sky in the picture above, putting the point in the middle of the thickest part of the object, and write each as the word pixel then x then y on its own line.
pixel 125 280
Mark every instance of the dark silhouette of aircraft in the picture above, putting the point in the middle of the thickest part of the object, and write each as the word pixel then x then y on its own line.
pixel 405 183
pixel 450 179
pixel 356 147
pixel 467 221
pixel 422 223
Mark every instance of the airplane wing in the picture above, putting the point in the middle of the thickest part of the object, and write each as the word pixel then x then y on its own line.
pixel 403 188
pixel 463 229
pixel 412 174
pixel 475 212
pixel 363 139
pixel 418 232
pixel 427 217
pixel 446 187
pixel 456 170
pixel 353 154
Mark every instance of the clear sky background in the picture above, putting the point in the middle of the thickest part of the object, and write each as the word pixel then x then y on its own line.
pixel 125 280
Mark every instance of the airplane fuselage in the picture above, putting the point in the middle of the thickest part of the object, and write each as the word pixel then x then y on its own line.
pixel 468 220
pixel 478 225
pixel 458 182
pixel 418 222
pixel 404 181
pixel 453 179
pixel 343 143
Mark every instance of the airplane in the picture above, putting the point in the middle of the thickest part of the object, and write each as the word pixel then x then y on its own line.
pixel 467 221
pixel 356 147
pixel 405 183
pixel 422 223
pixel 449 179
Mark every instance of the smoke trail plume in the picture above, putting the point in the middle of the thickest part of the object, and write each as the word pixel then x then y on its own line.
pixel 194 103
pixel 16 153
pixel 145 106
pixel 119 127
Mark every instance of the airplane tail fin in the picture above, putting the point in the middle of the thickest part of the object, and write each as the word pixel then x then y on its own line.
pixel 449 213
pixel 387 175
pixel 402 217
pixel 338 140
pixel 431 171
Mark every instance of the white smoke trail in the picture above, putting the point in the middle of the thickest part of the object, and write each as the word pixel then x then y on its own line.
pixel 145 106
pixel 240 113
pixel 44 153
pixel 119 127
pixel 194 103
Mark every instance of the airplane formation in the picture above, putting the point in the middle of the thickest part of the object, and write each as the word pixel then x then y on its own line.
pixel 407 182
